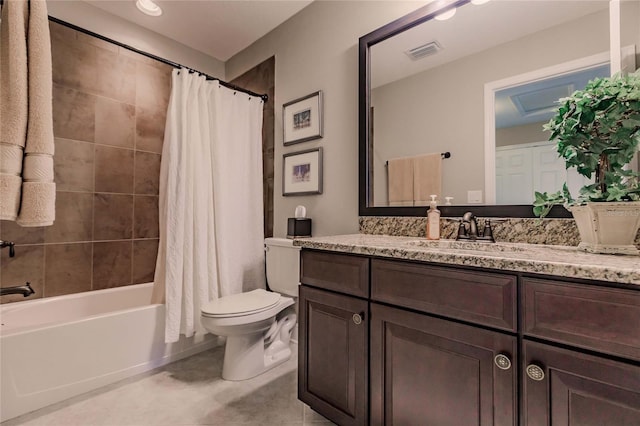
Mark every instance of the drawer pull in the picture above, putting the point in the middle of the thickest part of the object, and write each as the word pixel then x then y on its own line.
pixel 535 372
pixel 502 361
pixel 357 318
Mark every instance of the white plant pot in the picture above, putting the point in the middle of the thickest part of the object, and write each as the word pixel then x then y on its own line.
pixel 608 227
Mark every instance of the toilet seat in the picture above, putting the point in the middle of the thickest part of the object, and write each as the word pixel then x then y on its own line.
pixel 241 304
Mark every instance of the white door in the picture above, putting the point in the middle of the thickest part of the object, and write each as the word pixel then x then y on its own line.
pixel 514 178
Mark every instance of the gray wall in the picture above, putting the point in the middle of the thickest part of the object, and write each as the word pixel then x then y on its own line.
pixel 317 50
pixel 405 111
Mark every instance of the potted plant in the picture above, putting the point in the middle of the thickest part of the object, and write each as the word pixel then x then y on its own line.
pixel 597 131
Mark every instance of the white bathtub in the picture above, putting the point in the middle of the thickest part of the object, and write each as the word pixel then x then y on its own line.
pixel 55 348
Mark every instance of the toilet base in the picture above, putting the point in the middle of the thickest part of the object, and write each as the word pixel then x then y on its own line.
pixel 249 355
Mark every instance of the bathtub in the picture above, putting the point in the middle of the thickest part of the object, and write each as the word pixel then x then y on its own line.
pixel 55 348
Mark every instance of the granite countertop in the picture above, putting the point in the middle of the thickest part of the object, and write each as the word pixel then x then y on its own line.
pixel 562 261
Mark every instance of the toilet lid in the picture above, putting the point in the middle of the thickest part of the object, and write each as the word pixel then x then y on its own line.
pixel 241 304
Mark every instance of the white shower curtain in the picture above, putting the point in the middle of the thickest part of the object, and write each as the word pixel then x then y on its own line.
pixel 211 211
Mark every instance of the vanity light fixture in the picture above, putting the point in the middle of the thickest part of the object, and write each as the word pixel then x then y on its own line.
pixel 148 7
pixel 446 15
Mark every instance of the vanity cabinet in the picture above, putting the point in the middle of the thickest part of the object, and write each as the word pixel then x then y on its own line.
pixel 431 371
pixel 334 337
pixel 566 387
pixel 400 342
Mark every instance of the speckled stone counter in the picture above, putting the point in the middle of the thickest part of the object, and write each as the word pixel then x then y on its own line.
pixel 513 230
pixel 563 261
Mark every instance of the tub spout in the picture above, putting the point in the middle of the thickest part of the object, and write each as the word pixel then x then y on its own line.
pixel 25 290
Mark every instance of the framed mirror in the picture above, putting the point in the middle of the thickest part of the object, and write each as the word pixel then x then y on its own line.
pixel 423 84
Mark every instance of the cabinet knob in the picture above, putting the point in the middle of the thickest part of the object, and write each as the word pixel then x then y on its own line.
pixel 535 372
pixel 502 361
pixel 357 318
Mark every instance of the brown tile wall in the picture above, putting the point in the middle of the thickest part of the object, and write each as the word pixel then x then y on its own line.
pixel 109 108
pixel 261 79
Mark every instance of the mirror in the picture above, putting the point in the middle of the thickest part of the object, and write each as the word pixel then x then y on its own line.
pixel 528 53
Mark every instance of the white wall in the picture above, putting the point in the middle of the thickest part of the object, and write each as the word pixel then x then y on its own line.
pixel 100 22
pixel 317 50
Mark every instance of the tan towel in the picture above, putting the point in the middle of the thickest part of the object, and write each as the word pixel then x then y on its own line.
pixel 37 207
pixel 26 114
pixel 427 178
pixel 13 103
pixel 400 181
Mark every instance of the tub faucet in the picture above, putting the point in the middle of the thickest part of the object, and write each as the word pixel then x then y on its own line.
pixel 25 290
pixel 11 245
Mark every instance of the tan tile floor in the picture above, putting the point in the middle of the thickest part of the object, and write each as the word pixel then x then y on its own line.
pixel 188 392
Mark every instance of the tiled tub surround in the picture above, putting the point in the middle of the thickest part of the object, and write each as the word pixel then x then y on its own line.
pixel 109 107
pixel 563 261
pixel 513 230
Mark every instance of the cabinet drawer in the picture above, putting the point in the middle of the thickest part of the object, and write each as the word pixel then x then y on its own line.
pixel 480 297
pixel 338 272
pixel 598 318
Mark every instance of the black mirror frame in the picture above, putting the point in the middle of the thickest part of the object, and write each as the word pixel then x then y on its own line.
pixel 364 101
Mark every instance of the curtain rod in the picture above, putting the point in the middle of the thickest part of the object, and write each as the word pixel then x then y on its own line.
pixel 232 86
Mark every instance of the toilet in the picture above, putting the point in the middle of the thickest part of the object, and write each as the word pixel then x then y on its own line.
pixel 258 324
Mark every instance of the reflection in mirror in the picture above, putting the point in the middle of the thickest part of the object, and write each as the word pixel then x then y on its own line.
pixel 525 160
pixel 427 88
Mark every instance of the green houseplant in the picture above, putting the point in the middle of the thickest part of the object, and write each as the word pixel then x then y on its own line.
pixel 597 131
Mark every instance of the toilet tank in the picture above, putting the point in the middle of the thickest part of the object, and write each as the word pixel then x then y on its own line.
pixel 283 265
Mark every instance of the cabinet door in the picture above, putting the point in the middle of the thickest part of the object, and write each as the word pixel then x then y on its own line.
pixel 563 387
pixel 430 371
pixel 332 370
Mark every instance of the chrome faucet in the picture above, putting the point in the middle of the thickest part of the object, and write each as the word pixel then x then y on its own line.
pixel 468 229
pixel 25 290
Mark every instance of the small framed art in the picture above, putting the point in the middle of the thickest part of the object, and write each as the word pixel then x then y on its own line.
pixel 302 172
pixel 302 119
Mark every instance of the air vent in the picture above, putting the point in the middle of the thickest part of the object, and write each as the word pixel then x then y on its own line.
pixel 420 52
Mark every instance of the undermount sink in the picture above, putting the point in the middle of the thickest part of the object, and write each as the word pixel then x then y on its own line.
pixel 468 245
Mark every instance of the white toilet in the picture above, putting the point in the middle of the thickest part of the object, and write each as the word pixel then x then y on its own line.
pixel 257 324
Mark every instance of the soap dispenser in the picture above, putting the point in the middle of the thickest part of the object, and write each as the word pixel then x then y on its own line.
pixel 433 220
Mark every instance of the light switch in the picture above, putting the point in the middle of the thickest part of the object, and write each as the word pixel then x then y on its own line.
pixel 474 197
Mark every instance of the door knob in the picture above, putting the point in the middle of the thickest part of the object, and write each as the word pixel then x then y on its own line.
pixel 358 318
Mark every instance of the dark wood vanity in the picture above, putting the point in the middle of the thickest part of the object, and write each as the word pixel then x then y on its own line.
pixel 392 341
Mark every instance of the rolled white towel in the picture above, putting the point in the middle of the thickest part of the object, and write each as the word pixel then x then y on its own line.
pixel 38 168
pixel 38 204
pixel 10 187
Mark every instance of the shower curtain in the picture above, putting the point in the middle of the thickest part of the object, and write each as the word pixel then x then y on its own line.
pixel 211 211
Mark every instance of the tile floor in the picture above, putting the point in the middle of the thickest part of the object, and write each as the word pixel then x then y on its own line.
pixel 188 392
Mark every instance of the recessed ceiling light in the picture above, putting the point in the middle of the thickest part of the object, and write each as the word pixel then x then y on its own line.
pixel 446 15
pixel 148 7
pixel 479 2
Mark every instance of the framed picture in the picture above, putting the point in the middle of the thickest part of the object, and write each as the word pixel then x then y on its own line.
pixel 302 172
pixel 302 119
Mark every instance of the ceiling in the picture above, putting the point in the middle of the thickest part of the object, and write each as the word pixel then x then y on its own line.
pixel 218 28
pixel 473 29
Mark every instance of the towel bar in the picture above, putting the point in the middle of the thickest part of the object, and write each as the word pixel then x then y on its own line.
pixel 443 155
